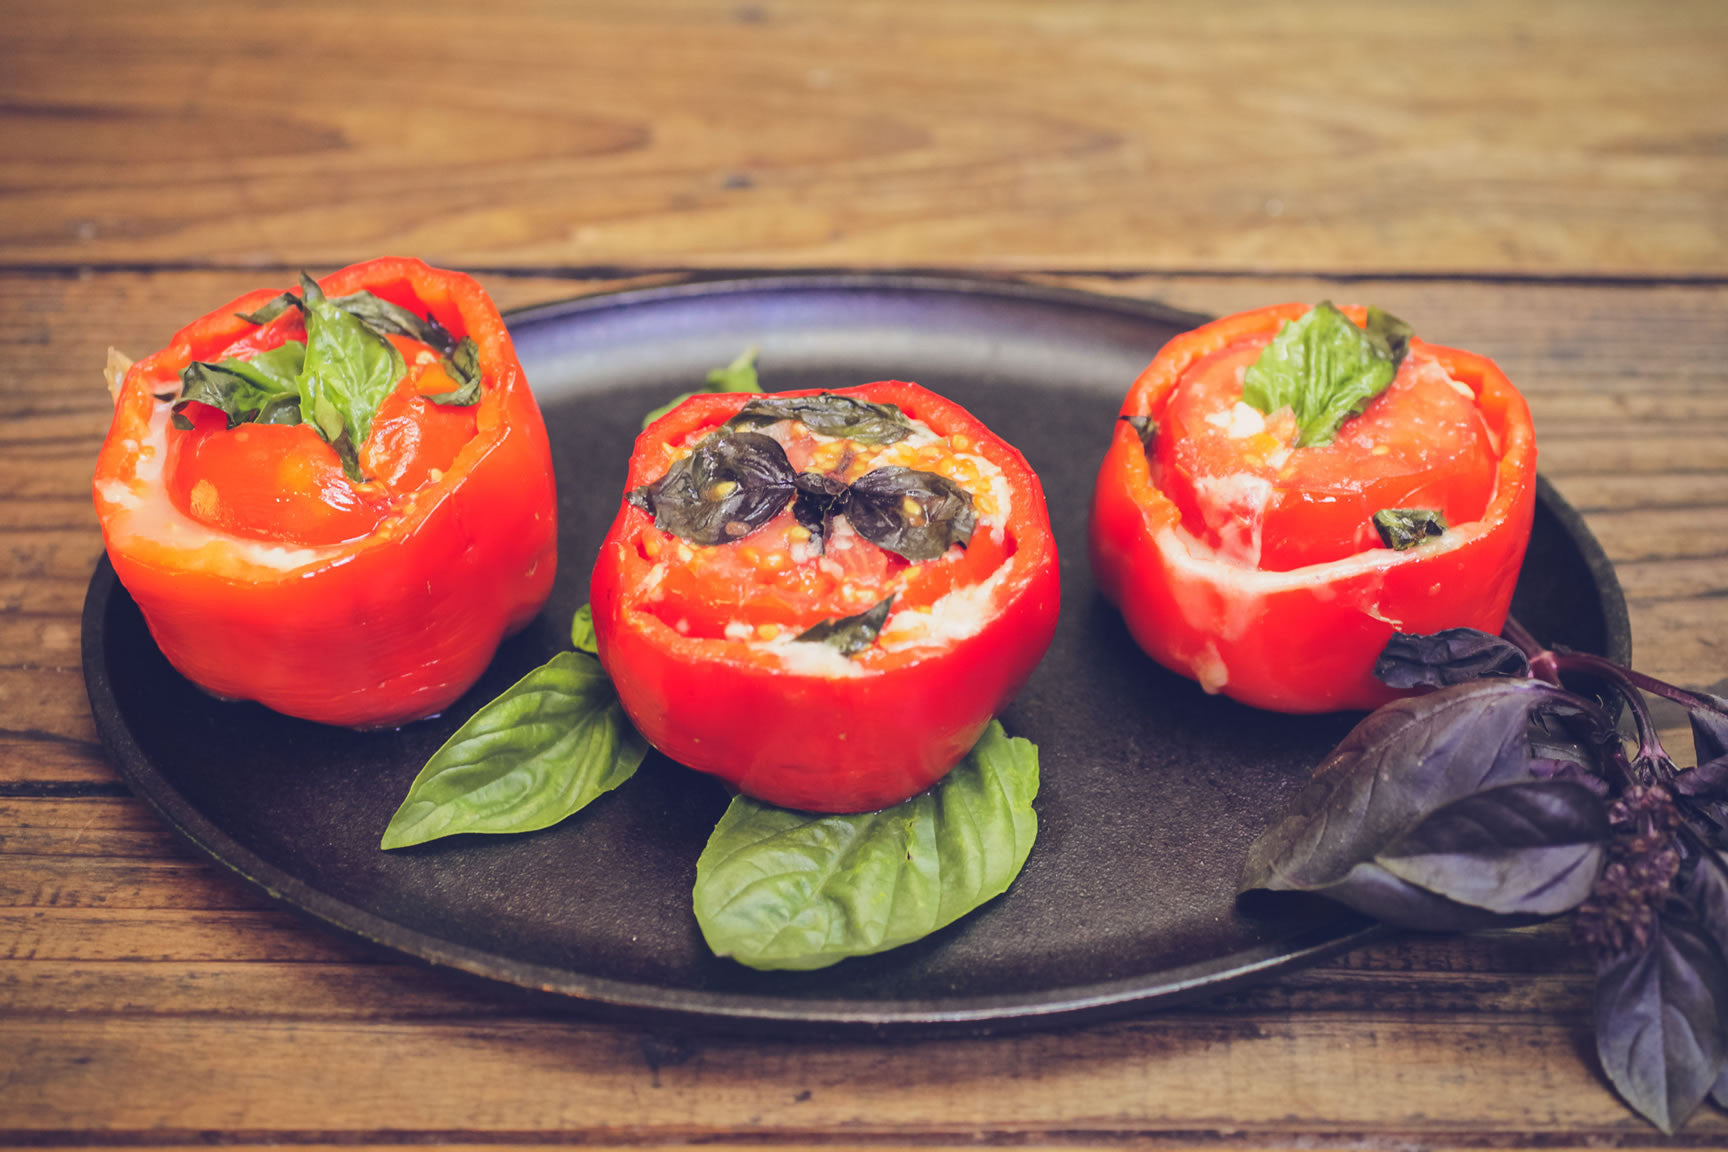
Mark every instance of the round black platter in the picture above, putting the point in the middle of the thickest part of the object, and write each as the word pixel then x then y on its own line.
pixel 1152 790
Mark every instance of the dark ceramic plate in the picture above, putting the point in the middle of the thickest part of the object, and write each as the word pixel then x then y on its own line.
pixel 1152 790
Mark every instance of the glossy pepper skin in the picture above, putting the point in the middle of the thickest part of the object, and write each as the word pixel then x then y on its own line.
pixel 1303 640
pixel 372 631
pixel 810 741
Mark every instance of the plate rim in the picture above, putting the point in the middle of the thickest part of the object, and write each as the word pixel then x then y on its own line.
pixel 725 1011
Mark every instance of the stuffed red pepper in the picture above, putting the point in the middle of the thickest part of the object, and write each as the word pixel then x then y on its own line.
pixel 823 597
pixel 334 501
pixel 1286 488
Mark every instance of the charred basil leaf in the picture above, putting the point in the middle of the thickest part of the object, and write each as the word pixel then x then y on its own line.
pixel 731 484
pixel 463 365
pixel 272 309
pixel 262 390
pixel 1326 369
pixel 738 376
pixel 553 742
pixel 1660 1008
pixel 1453 656
pixel 829 414
pixel 391 319
pixel 1146 427
pixel 1403 528
pixel 820 498
pixel 777 889
pixel 1429 815
pixel 850 635
pixel 917 515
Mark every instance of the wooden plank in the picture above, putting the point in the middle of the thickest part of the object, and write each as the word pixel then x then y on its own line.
pixel 1435 1076
pixel 1471 138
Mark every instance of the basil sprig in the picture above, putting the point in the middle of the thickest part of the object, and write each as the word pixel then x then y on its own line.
pixel 850 635
pixel 553 742
pixel 1326 369
pixel 337 378
pixel 793 890
pixel 1504 795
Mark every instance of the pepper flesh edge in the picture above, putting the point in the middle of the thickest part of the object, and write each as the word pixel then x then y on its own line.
pixel 822 743
pixel 1304 640
pixel 374 632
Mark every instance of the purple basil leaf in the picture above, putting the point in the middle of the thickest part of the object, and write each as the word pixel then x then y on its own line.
pixel 1454 656
pixel 1709 734
pixel 1708 781
pixel 1659 1021
pixel 1373 891
pixel 1530 849
pixel 1399 766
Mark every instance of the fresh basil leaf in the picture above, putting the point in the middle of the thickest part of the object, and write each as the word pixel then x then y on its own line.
pixel 539 753
pixel 1401 529
pixel 917 515
pixel 261 390
pixel 349 370
pixel 1402 765
pixel 391 319
pixel 1709 734
pixel 582 636
pixel 738 376
pixel 1530 849
pixel 792 890
pixel 272 309
pixel 830 415
pixel 731 484
pixel 850 635
pixel 1660 1008
pixel 1326 369
pixel 1452 656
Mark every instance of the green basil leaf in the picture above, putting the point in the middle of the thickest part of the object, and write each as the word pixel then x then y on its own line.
pixel 731 484
pixel 261 390
pixel 850 635
pixel 553 742
pixel 829 414
pixel 738 376
pixel 349 370
pixel 1404 528
pixel 794 890
pixel 1326 369
pixel 582 636
pixel 914 514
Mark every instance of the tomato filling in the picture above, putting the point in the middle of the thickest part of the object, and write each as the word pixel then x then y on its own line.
pixel 773 582
pixel 1245 490
pixel 283 483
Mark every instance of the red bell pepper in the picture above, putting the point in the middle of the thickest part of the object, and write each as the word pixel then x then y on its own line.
pixel 1269 585
pixel 360 580
pixel 714 646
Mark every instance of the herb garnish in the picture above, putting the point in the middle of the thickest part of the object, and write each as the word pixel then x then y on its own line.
pixel 1508 794
pixel 1401 529
pixel 336 379
pixel 1326 369
pixel 738 376
pixel 850 635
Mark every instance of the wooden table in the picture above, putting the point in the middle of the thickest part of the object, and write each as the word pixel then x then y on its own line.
pixel 1544 183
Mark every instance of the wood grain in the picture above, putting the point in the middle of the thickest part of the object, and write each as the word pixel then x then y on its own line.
pixel 1545 183
pixel 1554 138
pixel 147 997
